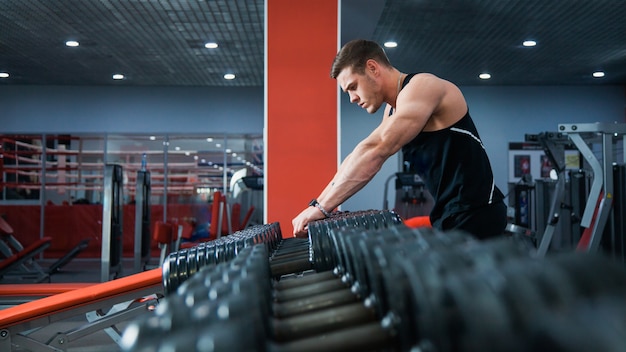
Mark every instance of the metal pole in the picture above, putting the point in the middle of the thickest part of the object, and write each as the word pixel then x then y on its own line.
pixel 107 208
pixel 606 204
pixel 226 187
pixel 166 144
pixel 42 189
pixel 139 199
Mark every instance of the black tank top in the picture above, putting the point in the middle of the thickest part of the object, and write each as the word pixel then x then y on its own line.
pixel 454 166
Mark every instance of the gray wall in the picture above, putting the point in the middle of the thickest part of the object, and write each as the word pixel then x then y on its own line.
pixel 502 115
pixel 118 109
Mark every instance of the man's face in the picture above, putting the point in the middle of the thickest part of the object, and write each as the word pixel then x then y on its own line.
pixel 362 89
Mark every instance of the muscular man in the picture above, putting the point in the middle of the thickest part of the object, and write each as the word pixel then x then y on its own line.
pixel 427 117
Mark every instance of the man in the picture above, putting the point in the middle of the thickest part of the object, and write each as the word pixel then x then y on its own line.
pixel 427 117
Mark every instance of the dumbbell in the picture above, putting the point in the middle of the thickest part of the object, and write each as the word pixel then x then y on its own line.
pixel 346 308
pixel 343 236
pixel 590 325
pixel 413 285
pixel 184 264
pixel 443 243
pixel 321 241
pixel 319 320
pixel 285 293
pixel 181 265
pixel 498 309
pixel 172 326
pixel 291 255
pixel 366 332
pixel 377 259
pixel 319 246
pixel 228 293
pixel 322 254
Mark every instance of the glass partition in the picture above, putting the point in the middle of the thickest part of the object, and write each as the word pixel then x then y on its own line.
pixel 52 185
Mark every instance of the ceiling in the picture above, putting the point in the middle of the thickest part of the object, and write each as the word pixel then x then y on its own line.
pixel 161 43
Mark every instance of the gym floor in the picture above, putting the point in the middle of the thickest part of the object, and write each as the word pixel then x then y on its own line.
pixel 81 270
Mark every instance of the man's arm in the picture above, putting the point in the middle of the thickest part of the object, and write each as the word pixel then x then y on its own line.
pixel 414 106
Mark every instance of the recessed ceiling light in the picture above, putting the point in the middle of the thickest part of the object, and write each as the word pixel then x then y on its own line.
pixel 209 139
pixel 390 44
pixel 152 138
pixel 210 45
pixel 529 43
pixel 118 76
pixel 72 43
pixel 598 74
pixel 176 148
pixel 484 76
pixel 4 74
pixel 229 76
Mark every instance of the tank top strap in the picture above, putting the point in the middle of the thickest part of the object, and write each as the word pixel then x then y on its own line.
pixel 404 83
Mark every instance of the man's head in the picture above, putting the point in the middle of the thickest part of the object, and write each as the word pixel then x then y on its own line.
pixel 359 69
pixel 355 54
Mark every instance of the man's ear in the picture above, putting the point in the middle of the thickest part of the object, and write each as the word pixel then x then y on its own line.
pixel 372 66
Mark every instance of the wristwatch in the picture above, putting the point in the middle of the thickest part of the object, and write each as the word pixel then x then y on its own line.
pixel 315 203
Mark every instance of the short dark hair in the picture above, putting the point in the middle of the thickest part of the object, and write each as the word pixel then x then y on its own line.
pixel 355 54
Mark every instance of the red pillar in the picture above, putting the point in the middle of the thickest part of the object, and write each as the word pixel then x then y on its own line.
pixel 301 105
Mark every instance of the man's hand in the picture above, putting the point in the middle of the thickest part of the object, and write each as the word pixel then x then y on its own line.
pixel 300 222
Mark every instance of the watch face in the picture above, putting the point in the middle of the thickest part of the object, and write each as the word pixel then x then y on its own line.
pixel 312 203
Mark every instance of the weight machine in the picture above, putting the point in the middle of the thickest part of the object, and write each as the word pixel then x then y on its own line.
pixel 411 196
pixel 603 200
pixel 112 223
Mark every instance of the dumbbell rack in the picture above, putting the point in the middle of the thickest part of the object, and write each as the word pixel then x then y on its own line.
pixel 363 282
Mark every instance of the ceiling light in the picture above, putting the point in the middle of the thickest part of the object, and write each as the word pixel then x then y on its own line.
pixel 598 74
pixel 529 43
pixel 72 43
pixel 210 45
pixel 484 76
pixel 176 148
pixel 218 145
pixel 152 138
pixel 209 139
pixel 390 44
pixel 118 76
pixel 229 76
pixel 4 74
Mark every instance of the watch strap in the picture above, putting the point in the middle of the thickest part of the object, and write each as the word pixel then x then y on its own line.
pixel 315 203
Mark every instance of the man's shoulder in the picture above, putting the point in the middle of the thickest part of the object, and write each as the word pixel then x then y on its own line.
pixel 424 79
pixel 424 76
